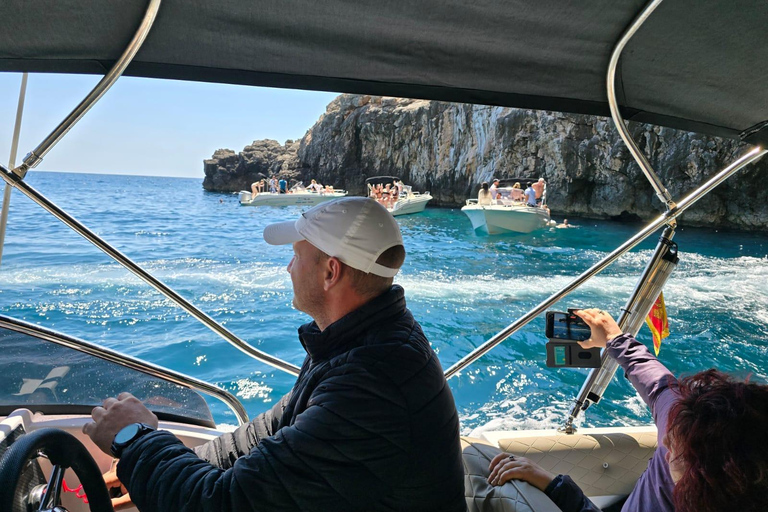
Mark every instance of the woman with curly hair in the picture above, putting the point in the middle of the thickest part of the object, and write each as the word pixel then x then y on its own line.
pixel 712 455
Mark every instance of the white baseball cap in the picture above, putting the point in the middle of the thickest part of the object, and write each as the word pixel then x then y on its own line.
pixel 356 230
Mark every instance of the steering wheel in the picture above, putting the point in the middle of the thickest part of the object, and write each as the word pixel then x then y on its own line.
pixel 64 451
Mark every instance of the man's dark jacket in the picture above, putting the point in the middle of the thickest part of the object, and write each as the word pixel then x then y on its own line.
pixel 369 425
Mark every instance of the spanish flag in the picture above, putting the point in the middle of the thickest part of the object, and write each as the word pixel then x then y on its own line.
pixel 657 322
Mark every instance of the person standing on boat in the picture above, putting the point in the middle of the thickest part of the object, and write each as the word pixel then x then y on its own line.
pixel 530 195
pixel 494 191
pixel 314 186
pixel 282 186
pixel 711 454
pixel 399 185
pixel 370 423
pixel 540 187
pixel 273 185
pixel 484 195
pixel 257 187
pixel 517 193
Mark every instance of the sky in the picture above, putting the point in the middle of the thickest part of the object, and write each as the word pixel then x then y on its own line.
pixel 148 126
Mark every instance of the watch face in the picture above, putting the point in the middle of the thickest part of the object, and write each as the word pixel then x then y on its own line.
pixel 127 433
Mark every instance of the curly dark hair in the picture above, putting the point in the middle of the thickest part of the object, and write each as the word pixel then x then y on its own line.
pixel 717 429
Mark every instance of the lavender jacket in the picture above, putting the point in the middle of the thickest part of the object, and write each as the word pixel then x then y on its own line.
pixel 651 379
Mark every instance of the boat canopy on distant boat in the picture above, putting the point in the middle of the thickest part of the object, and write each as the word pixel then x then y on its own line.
pixel 397 197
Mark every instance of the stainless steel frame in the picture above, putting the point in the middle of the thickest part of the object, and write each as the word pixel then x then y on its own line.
pixel 656 272
pixel 12 160
pixel 647 289
pixel 642 161
pixel 15 178
pixel 37 154
pixel 751 156
pixel 148 278
pixel 129 362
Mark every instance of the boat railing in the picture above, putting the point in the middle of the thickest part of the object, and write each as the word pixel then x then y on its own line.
pixel 598 380
pixel 14 178
pixel 666 218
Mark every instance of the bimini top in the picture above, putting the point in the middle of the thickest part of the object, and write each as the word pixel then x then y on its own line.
pixel 696 65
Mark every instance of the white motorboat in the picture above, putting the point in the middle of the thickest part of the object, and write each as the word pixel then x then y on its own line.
pixel 496 219
pixel 297 198
pixel 407 201
pixel 676 74
pixel 411 202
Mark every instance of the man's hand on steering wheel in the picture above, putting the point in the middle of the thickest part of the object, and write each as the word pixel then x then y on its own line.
pixel 112 416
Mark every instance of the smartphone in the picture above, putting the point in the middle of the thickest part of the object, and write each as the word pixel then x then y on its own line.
pixel 566 326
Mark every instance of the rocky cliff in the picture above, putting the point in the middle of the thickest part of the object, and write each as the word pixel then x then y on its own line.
pixel 449 149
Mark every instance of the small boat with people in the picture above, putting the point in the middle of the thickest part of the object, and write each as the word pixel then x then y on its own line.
pixel 398 198
pixel 504 208
pixel 297 195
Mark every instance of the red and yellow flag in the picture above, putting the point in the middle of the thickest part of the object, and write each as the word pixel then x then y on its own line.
pixel 657 322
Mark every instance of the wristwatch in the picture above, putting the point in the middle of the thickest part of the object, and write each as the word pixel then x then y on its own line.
pixel 127 435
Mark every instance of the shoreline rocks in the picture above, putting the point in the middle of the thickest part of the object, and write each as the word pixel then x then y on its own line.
pixel 449 149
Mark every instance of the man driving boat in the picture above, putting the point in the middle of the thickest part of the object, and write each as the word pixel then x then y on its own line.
pixel 370 423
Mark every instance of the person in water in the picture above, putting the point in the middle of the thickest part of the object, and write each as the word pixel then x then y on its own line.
pixel 711 455
pixel 370 423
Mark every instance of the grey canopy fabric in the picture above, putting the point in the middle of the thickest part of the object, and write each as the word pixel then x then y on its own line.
pixel 696 65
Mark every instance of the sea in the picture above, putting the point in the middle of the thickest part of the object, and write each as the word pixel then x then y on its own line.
pixel 463 287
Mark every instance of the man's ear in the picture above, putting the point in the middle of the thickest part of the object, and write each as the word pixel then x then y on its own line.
pixel 332 273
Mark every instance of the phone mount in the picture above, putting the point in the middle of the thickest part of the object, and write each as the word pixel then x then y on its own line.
pixel 569 354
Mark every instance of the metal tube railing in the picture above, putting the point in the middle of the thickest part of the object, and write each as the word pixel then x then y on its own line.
pixel 129 362
pixel 647 289
pixel 12 161
pixel 37 154
pixel 638 155
pixel 142 274
pixel 751 156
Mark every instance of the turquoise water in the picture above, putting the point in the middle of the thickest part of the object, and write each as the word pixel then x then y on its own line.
pixel 461 286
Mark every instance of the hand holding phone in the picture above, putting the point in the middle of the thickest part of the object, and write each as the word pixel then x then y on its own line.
pixel 565 332
pixel 601 324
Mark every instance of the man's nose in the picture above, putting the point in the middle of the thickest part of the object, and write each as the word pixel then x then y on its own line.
pixel 290 264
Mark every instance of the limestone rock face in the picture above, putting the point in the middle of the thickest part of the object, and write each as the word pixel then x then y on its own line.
pixel 227 171
pixel 449 149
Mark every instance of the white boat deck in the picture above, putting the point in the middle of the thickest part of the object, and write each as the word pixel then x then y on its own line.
pixel 304 198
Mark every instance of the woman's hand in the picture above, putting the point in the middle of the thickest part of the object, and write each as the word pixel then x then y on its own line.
pixel 603 327
pixel 121 500
pixel 506 467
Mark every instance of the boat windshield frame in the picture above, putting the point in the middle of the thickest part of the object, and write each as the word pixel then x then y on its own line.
pixel 126 361
pixel 14 178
